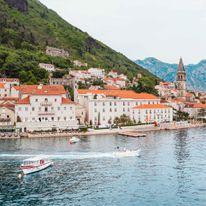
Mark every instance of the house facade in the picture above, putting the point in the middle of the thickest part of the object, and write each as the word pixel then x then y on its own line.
pixel 103 106
pixel 42 108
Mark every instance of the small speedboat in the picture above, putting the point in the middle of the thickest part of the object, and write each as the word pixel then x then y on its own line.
pixel 74 140
pixel 35 164
pixel 128 153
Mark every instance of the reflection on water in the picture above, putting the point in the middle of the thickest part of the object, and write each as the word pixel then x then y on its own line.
pixel 182 155
pixel 170 171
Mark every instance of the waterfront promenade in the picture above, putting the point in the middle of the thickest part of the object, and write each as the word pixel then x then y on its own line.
pixel 139 128
pixel 90 132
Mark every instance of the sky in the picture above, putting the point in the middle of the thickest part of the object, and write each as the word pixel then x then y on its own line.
pixel 165 29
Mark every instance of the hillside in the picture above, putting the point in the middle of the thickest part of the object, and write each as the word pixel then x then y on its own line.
pixel 196 73
pixel 27 27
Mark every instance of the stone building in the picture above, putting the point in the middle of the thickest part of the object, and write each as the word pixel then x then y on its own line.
pixel 57 52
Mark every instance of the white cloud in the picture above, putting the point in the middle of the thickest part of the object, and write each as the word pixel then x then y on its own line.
pixel 165 29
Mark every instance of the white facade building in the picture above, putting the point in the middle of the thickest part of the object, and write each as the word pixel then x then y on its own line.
pixel 80 74
pixel 102 106
pixel 47 67
pixel 42 108
pixel 97 72
pixel 5 86
pixel 119 82
pixel 148 113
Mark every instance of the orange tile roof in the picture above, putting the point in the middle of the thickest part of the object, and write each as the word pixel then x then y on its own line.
pixel 198 106
pixel 189 94
pixel 9 80
pixel 125 94
pixel 24 101
pixel 2 86
pixel 43 90
pixel 151 106
pixel 111 87
pixel 67 101
pixel 9 98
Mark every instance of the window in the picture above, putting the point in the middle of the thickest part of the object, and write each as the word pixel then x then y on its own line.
pixel 103 104
pixel 110 103
pixel 26 108
pixel 19 108
pixel 65 118
pixel 95 110
pixel 52 118
pixel 46 109
pixel 36 100
pixel 115 103
pixel 46 100
pixel 33 109
pixel 58 118
pixel 115 109
pixel 55 100
pixel 58 108
pixel 103 110
pixel 65 108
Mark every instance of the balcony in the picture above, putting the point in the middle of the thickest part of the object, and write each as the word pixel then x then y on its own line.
pixel 46 104
pixel 46 113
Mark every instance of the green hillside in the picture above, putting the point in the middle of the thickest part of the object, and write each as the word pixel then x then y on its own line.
pixel 27 27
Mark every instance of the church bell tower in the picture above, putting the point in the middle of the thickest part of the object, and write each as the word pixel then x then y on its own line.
pixel 181 80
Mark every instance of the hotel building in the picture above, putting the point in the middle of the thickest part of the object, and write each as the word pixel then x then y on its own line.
pixel 42 108
pixel 102 106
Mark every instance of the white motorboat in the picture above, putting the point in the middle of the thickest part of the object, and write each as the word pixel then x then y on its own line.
pixel 74 140
pixel 128 153
pixel 35 164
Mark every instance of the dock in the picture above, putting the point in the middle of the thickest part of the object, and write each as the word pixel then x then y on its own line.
pixel 132 134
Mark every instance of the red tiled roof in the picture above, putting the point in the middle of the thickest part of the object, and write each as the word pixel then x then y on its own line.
pixel 125 94
pixel 24 101
pixel 2 86
pixel 111 87
pixel 151 106
pixel 41 90
pixel 9 80
pixel 199 106
pixel 67 101
pixel 189 94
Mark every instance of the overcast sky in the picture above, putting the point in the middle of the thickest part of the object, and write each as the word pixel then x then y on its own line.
pixel 165 29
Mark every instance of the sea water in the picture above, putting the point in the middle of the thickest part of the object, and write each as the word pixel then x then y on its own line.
pixel 170 171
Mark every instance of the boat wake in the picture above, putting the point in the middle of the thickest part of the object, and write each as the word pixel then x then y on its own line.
pixel 72 155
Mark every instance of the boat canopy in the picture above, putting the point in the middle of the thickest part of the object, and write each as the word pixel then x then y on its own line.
pixel 36 159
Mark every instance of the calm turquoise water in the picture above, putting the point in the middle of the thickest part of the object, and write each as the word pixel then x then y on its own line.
pixel 170 171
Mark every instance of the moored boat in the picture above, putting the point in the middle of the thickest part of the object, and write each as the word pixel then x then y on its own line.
pixel 35 164
pixel 74 140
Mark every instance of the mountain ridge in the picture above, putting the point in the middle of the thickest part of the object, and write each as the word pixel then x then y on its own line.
pixel 196 73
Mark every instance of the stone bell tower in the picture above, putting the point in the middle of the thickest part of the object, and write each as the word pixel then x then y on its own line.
pixel 181 80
